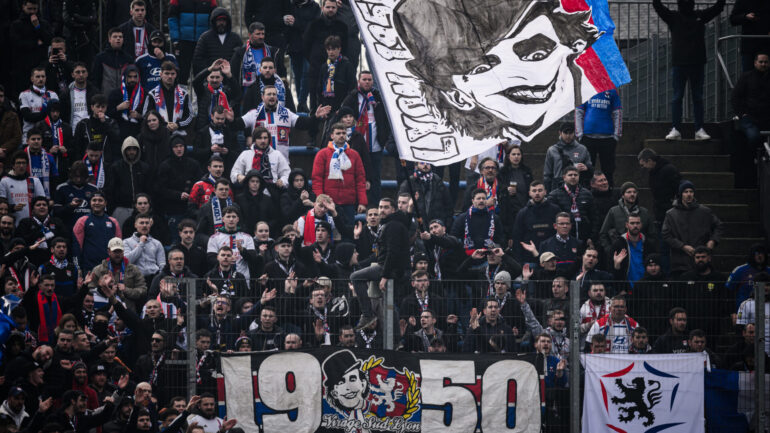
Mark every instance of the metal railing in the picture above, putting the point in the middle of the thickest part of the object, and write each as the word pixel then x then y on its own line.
pixel 721 60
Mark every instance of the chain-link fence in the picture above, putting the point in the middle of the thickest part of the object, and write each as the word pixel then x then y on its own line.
pixel 557 317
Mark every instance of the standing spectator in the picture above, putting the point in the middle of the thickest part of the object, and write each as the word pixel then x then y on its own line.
pixel 144 251
pixel 754 18
pixel 187 21
pixel 81 28
pixel 65 271
pixel 57 139
pixel 215 87
pixel 136 31
pixel 445 252
pixel 92 233
pixel 534 223
pixel 149 62
pixel 604 199
pixel 40 225
pixel 566 152
pixel 273 15
pixel 663 181
pixel 72 199
pixel 326 25
pixel 210 216
pixel 589 273
pixel 126 105
pixel 98 131
pixel 567 248
pixel 10 129
pixel 615 222
pixel 171 100
pixel 339 76
pixel 217 137
pixel 629 251
pixel 108 67
pixel 346 15
pixel 616 326
pixel 244 253
pixel 159 227
pixel 176 176
pixel 430 192
pixel 115 272
pixel 675 338
pixel 30 39
pixel 747 312
pixel 688 57
pixel 576 199
pixel 194 252
pixel 33 102
pixel 154 140
pixel 751 100
pixel 58 68
pixel 339 173
pixel 41 163
pixel 254 203
pixel 252 96
pixel 516 177
pixel 44 308
pixel 303 12
pixel 271 164
pixel 128 177
pixel 247 59
pixel 598 126
pixel 489 332
pixel 596 307
pixel 488 182
pixel 689 225
pixel 372 122
pixel 705 297
pixel 556 330
pixel 298 198
pixel 203 189
pixel 219 42
pixel 741 280
pixel 478 226
pixel 19 188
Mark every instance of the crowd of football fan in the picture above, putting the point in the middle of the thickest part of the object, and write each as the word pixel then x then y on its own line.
pixel 120 183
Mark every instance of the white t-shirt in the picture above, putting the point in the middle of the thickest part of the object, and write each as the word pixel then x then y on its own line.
pixel 209 425
pixel 747 313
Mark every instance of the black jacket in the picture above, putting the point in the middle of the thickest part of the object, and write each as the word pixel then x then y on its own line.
pixel 761 26
pixel 315 35
pixel 568 253
pixel 291 204
pixel 107 69
pixel 433 199
pixel 533 223
pixel 582 229
pixel 344 82
pixel 127 179
pixel 270 13
pixel 91 129
pixel 209 48
pixel 200 84
pixel 380 116
pixel 671 343
pixel 751 95
pixel 450 253
pixel 303 14
pixel 24 47
pixel 128 36
pixel 255 208
pixel 478 228
pixel 664 184
pixel 29 230
pixel 392 245
pixel 176 175
pixel 688 43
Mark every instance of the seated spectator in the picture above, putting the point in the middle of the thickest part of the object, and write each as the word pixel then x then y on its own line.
pixel 639 342
pixel 616 326
pixel 271 164
pixel 92 234
pixel 143 250
pixel 576 200
pixel 489 332
pixel 596 307
pixel 566 152
pixel 72 199
pixel 339 173
pixel 753 110
pixel 478 226
pixel 430 192
pixel 742 277
pixel 689 225
pixel 614 224
pixel 203 189
pixel 129 282
pixel 675 338
pixel 567 248
pixel 128 177
pixel 557 326
pixel 159 226
pixel 268 336
pixel 19 180
pixel 255 202
pixel 629 252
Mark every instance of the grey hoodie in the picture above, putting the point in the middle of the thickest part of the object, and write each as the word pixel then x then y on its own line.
pixel 555 159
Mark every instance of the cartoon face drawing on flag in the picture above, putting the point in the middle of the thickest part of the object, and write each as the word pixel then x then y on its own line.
pixel 485 70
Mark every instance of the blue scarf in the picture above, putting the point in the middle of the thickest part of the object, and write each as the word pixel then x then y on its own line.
pixel 217 211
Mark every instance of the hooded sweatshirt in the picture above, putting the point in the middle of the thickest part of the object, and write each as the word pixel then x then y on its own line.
pixel 558 157
pixel 127 178
pixel 291 204
pixel 212 46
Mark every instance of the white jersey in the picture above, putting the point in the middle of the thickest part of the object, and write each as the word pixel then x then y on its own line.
pixel 278 123
pixel 21 191
pixel 618 334
pixel 209 425
pixel 220 239
pixel 590 312
pixel 36 100
pixel 747 313
pixel 279 165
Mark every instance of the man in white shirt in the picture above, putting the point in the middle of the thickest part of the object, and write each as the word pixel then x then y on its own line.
pixel 747 313
pixel 272 165
pixel 208 418
pixel 617 327
pixel 241 243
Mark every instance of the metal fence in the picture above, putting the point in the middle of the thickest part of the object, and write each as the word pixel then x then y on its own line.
pixel 464 318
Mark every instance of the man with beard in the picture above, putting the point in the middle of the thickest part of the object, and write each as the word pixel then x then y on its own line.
pixel 605 198
pixel 215 87
pixel 430 192
pixel 99 383
pixel 567 152
pixel 150 367
pixel 247 59
pixel 675 338
pixel 534 223
pixel 207 418
pixel 80 383
pixel 219 42
pixel 629 251
pixel 267 77
pixel 224 278
pixel 73 411
pixel 125 104
pixel 278 119
pixel 210 216
pixel 613 224
pixel 321 322
pixel 149 62
pixel 741 279
pixel 176 269
pixel 326 25
pixel 171 100
pixel 271 164
pixel 574 198
pixel 40 225
pixel 57 138
pixel 217 138
pixel 588 272
pixel 596 307
pixel 98 132
pixel 72 199
pixel 203 189
pixel 364 235
pixel 242 244
pixel 567 248
pixel 557 325
pixel 617 326
pixel 478 226
pixel 44 308
pixel 75 99
pixel 689 225
pixel 651 295
pixel 268 336
pixel 13 407
pixel 6 232
pixel 704 295
pixel 126 277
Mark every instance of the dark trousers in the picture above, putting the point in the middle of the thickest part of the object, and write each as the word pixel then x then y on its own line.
pixel 186 49
pixel 680 76
pixel 604 148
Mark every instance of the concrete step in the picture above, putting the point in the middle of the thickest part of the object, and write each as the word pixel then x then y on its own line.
pixel 742 229
pixel 727 262
pixel 714 195
pixel 731 212
pixel 684 147
pixel 717 180
pixel 737 246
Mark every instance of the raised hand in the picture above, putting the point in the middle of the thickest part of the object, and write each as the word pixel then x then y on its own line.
pixel 521 296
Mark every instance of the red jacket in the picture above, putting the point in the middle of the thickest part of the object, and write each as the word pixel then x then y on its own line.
pixel 351 189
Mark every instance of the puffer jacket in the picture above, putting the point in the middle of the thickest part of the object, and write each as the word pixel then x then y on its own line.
pixel 210 48
pixel 351 189
pixel 127 178
pixel 692 225
pixel 189 19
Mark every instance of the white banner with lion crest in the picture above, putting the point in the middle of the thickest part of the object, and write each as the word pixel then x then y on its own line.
pixel 644 393
pixel 458 77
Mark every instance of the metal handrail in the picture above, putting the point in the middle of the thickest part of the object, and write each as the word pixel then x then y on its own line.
pixel 719 54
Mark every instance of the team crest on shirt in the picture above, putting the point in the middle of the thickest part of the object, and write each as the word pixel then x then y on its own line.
pixel 108 224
